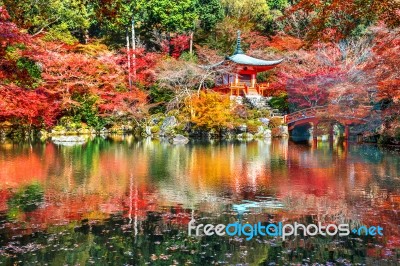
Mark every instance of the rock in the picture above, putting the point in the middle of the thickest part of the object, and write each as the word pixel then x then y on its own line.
pixel 213 134
pixel 168 125
pixel 284 131
pixel 84 131
pixel 179 139
pixel 266 133
pixel 242 128
pixel 245 136
pixel 68 140
pixel 154 121
pixel 58 132
pixel 147 131
pixel 237 99
pixel 104 131
pixel 264 120
pixel 169 121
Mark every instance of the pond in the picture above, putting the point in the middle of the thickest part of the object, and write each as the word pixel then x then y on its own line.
pixel 123 201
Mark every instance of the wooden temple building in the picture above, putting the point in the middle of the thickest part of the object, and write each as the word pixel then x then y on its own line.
pixel 242 79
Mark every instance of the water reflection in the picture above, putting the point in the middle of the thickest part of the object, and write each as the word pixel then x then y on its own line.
pixel 135 197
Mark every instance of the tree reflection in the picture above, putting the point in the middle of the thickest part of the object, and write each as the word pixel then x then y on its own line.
pixel 149 190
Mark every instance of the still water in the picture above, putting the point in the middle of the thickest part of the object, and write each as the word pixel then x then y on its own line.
pixel 122 201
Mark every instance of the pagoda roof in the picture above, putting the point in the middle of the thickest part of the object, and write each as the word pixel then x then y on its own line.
pixel 244 59
pixel 240 58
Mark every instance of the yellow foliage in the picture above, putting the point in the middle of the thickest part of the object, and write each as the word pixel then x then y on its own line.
pixel 92 49
pixel 210 110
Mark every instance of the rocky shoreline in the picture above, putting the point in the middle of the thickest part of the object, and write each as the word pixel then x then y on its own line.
pixel 159 127
pixel 167 127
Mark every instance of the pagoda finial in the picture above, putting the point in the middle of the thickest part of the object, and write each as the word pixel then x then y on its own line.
pixel 238 44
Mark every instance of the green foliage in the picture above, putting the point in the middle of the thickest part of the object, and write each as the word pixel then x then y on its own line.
pixel 30 66
pixel 187 56
pixel 264 76
pixel 252 126
pixel 70 123
pixel 210 12
pixel 112 26
pixel 278 4
pixel 12 53
pixel 60 33
pixel 87 111
pixel 41 15
pixel 155 129
pixel 280 102
pixel 26 199
pixel 32 69
pixel 170 16
pixel 254 114
pixel 225 35
pixel 114 19
pixel 160 96
pixel 384 139
pixel 256 12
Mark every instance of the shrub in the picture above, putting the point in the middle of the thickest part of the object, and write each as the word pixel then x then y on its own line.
pixel 275 122
pixel 60 33
pixel 155 129
pixel 276 132
pixel 280 102
pixel 210 111
pixel 87 111
pixel 187 56
pixel 26 65
pixel 91 48
pixel 252 126
pixel 256 113
pixel 161 97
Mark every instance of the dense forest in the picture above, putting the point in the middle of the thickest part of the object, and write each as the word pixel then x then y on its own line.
pixel 104 63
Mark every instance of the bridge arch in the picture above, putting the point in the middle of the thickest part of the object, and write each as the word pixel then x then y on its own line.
pixel 320 114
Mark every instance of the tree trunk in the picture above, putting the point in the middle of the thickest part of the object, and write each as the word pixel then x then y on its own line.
pixel 129 60
pixel 133 50
pixel 169 42
pixel 191 43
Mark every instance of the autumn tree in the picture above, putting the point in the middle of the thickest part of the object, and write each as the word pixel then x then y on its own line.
pixel 211 110
pixel 384 68
pixel 332 75
pixel 58 18
pixel 385 65
pixel 254 11
pixel 210 12
pixel 43 81
pixel 184 79
pixel 339 19
pixel 151 17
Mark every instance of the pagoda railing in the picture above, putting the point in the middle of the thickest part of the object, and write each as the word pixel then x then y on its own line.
pixel 264 89
pixel 233 88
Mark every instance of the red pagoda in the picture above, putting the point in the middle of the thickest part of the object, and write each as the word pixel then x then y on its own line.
pixel 243 79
